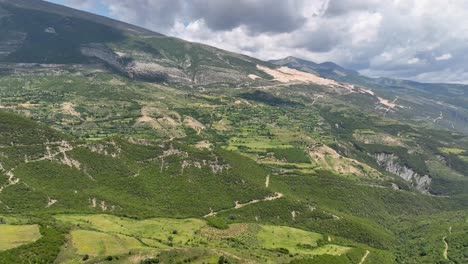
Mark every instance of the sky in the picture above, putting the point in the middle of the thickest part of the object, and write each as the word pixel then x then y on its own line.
pixel 423 40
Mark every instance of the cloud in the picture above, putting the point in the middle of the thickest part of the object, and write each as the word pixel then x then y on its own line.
pixel 414 61
pixel 411 39
pixel 446 56
pixel 273 16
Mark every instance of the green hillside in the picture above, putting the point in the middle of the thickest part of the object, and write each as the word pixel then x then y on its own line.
pixel 121 145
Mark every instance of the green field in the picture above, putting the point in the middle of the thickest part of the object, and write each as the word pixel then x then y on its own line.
pixel 181 230
pixel 100 236
pixel 12 236
pixel 272 237
pixel 452 150
pixel 101 244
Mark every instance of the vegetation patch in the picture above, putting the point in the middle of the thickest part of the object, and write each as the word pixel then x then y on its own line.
pixel 292 155
pixel 12 236
pixel 291 239
pixel 102 244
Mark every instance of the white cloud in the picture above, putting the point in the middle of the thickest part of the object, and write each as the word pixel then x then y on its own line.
pixel 395 38
pixel 446 56
pixel 414 61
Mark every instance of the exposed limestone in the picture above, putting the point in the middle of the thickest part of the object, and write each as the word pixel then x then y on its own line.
pixel 193 123
pixel 72 163
pixel 103 206
pixel 390 162
pixel 328 158
pixel 204 144
pixel 105 54
pixel 287 75
pixel 214 165
pixel 69 109
pixel 93 202
pixel 156 71
pixel 108 149
pixel 294 215
pixel 253 76
pixel 51 202
pixel 12 180
pixel 173 151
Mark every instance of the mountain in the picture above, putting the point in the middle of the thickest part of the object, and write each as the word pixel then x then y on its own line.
pixel 41 32
pixel 118 144
pixel 442 104
pixel 325 69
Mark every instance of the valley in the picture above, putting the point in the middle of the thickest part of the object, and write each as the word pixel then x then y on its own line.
pixel 121 145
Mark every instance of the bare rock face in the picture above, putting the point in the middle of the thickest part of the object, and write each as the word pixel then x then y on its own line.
pixel 105 54
pixel 390 162
pixel 156 72
pixel 150 71
pixel 150 67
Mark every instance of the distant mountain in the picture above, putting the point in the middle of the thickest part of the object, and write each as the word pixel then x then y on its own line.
pixel 325 69
pixel 433 99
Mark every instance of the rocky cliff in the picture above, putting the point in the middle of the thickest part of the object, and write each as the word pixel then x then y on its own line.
pixel 390 162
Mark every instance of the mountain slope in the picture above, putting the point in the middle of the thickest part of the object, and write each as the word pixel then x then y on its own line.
pixel 41 32
pixel 325 69
pixel 435 104
pixel 195 154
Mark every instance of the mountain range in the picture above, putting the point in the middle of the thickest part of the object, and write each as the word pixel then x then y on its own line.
pixel 123 145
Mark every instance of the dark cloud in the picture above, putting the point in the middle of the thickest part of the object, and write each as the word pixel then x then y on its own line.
pixel 340 7
pixel 320 40
pixel 257 15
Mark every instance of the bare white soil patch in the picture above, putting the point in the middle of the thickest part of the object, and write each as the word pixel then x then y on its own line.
pixel 69 109
pixel 147 119
pixel 329 159
pixel 193 123
pixel 253 76
pixel 366 91
pixel 51 202
pixel 294 215
pixel 28 105
pixel 387 102
pixel 286 75
pixel 203 145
